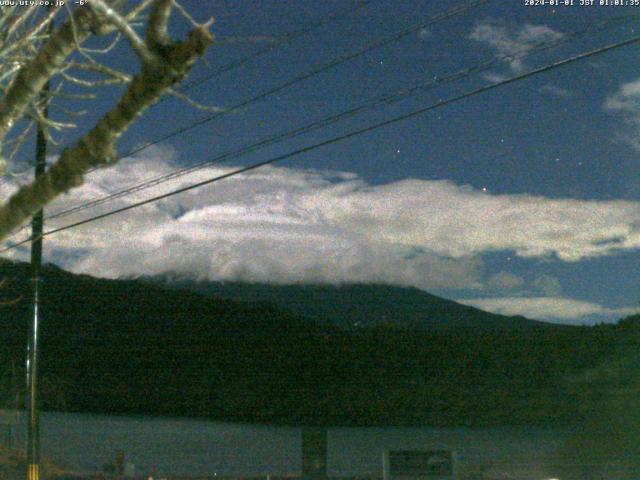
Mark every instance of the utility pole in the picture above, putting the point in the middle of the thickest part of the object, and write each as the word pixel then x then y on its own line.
pixel 33 425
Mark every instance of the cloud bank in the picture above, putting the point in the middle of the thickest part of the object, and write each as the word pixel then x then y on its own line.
pixel 512 43
pixel 284 225
pixel 307 217
pixel 626 102
pixel 566 310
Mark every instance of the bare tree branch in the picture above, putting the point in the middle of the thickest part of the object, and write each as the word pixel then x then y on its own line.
pixel 32 77
pixel 137 44
pixel 93 83
pixel 171 63
pixel 138 9
pixel 101 69
pixel 193 103
pixel 157 34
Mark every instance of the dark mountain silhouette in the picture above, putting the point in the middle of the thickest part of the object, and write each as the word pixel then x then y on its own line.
pixel 359 305
pixel 130 347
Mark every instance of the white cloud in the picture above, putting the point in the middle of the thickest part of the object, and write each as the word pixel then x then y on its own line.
pixel 502 281
pixel 511 42
pixel 494 77
pixel 561 309
pixel 265 226
pixel 424 33
pixel 626 99
pixel 548 285
pixel 291 225
pixel 556 91
pixel 458 221
pixel 626 102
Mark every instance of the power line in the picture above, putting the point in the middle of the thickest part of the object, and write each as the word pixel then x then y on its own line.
pixel 340 138
pixel 384 99
pixel 281 40
pixel 453 12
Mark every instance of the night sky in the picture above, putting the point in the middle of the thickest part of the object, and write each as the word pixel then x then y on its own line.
pixel 521 200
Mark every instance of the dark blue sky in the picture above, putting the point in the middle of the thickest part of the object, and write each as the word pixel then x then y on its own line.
pixel 561 148
pixel 508 140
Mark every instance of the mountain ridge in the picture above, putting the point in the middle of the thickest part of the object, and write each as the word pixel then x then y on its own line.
pixel 358 304
pixel 129 347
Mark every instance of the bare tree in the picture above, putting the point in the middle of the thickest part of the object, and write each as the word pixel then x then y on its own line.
pixel 31 55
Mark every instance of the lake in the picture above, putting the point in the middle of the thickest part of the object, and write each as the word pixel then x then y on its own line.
pixel 183 447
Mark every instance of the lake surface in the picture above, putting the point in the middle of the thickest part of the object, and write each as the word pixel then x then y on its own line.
pixel 182 447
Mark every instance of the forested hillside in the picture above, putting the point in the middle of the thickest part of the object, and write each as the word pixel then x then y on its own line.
pixel 116 346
